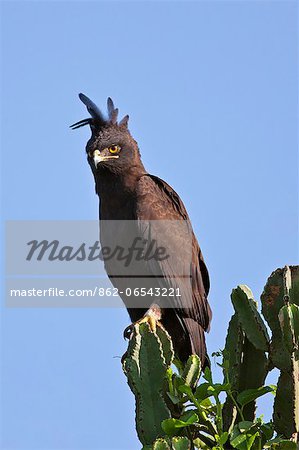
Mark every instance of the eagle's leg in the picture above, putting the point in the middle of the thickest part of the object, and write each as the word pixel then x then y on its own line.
pixel 152 317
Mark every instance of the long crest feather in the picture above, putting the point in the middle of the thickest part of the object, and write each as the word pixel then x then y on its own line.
pixel 124 121
pixel 110 106
pixel 112 111
pixel 91 107
pixel 81 123
pixel 97 120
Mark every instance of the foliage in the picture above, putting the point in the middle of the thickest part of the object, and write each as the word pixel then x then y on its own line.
pixel 173 412
pixel 202 415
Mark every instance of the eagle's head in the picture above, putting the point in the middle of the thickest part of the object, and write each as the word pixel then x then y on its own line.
pixel 111 148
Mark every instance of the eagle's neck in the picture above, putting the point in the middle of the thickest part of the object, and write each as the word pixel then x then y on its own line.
pixel 117 194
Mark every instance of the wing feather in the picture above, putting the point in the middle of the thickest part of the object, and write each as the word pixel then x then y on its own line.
pixel 158 201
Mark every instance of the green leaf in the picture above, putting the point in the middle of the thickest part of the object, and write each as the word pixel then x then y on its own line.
pixel 244 441
pixel 223 438
pixel 178 381
pixel 191 420
pixel 175 400
pixel 184 389
pixel 206 404
pixel 200 444
pixel 249 395
pixel 237 440
pixel 241 440
pixel 201 392
pixel 179 365
pixel 208 375
pixel 171 426
pixel 216 388
pixel 187 415
pixel 245 425
pixel 267 430
pixel 250 440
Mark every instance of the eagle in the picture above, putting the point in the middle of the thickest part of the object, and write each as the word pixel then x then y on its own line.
pixel 168 282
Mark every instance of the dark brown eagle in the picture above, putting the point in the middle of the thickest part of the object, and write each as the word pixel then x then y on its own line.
pixel 172 287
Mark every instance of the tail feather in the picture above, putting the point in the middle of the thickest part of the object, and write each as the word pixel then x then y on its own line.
pixel 196 336
pixel 188 337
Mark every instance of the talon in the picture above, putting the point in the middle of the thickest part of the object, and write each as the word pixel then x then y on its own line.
pixel 152 317
pixel 152 322
pixel 128 332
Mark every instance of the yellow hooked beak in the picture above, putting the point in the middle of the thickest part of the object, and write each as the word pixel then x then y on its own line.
pixel 98 158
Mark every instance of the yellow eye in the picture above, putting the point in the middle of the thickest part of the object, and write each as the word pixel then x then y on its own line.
pixel 114 149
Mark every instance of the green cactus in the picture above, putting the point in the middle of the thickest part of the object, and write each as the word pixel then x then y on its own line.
pixel 181 443
pixel 289 323
pixel 247 360
pixel 289 313
pixel 286 403
pixel 145 364
pixel 294 292
pixel 164 420
pixel 246 343
pixel 272 300
pixel 247 365
pixel 166 343
pixel 249 317
pixel 233 355
pixel 254 369
pixel 233 351
pixel 192 371
pixel 177 443
pixel 280 299
pixel 161 444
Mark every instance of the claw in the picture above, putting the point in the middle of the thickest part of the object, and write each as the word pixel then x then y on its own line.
pixel 128 332
pixel 152 322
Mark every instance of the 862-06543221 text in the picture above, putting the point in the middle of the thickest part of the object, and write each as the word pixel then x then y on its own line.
pixel 97 291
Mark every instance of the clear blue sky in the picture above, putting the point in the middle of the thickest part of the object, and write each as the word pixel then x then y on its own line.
pixel 211 89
